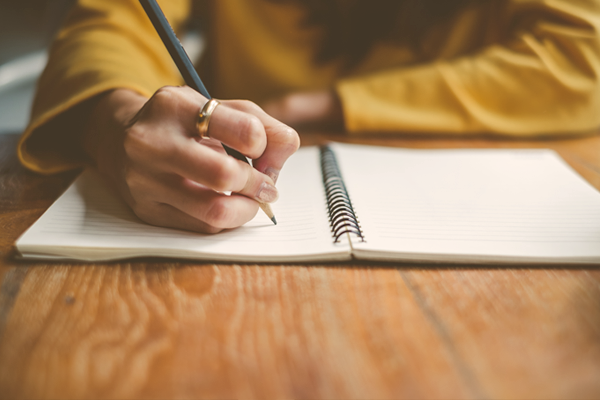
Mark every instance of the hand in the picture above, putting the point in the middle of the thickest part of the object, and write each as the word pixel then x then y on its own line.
pixel 150 152
pixel 315 109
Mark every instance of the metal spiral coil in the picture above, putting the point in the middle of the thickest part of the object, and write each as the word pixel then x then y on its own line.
pixel 342 218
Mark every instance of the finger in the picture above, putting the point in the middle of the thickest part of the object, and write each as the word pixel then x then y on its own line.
pixel 203 204
pixel 204 209
pixel 237 129
pixel 161 214
pixel 217 171
pixel 282 141
pixel 181 154
pixel 159 149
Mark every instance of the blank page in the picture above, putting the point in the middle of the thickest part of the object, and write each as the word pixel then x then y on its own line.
pixel 470 205
pixel 89 222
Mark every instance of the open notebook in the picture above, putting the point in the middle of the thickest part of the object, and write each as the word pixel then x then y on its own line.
pixel 344 201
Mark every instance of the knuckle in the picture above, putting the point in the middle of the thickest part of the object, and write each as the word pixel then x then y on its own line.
pixel 165 98
pixel 145 213
pixel 288 139
pixel 142 145
pixel 219 213
pixel 134 137
pixel 252 134
pixel 166 92
pixel 224 175
pixel 249 125
pixel 292 138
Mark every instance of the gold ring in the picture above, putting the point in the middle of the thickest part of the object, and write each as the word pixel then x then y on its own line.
pixel 204 117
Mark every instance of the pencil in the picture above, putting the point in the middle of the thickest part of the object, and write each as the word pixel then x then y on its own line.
pixel 187 70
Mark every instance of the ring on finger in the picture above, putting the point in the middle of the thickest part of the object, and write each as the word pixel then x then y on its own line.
pixel 204 117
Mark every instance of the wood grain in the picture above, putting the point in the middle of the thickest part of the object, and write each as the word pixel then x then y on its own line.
pixel 223 332
pixel 488 314
pixel 171 329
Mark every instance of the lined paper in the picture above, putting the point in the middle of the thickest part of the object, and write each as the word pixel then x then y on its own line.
pixel 90 222
pixel 492 206
pixel 480 205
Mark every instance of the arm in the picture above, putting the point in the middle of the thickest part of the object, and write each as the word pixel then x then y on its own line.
pixel 103 45
pixel 103 99
pixel 542 79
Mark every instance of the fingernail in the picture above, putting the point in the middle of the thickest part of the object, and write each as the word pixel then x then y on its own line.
pixel 272 173
pixel 267 193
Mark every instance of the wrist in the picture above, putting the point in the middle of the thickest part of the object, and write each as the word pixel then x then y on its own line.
pixel 111 114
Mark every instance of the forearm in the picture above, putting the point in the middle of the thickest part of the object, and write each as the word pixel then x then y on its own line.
pixel 543 77
pixel 103 45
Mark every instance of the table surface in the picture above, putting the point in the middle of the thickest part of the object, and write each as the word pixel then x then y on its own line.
pixel 179 329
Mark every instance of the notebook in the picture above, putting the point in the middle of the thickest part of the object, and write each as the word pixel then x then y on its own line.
pixel 342 201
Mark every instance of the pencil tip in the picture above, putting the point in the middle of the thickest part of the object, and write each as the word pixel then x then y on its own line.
pixel 267 209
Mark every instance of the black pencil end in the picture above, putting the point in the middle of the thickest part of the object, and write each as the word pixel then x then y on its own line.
pixel 274 220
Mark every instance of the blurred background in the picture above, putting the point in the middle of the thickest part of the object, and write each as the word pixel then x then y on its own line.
pixel 26 29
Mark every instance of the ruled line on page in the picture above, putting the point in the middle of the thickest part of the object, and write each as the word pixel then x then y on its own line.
pixel 499 203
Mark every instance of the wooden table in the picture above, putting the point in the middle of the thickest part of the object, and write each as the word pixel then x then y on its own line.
pixel 174 329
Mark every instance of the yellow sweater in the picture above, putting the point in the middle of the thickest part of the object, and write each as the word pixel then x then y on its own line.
pixel 514 67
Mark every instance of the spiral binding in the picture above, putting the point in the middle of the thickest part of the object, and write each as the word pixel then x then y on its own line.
pixel 342 217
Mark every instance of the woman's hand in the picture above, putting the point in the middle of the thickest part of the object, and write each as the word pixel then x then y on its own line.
pixel 320 109
pixel 151 153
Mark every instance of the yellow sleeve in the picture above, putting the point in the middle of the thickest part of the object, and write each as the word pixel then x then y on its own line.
pixel 543 80
pixel 103 45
